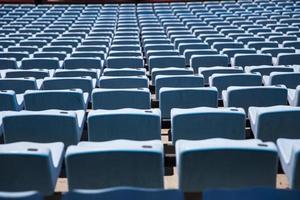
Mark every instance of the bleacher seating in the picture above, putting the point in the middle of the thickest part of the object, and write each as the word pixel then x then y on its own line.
pixel 133 72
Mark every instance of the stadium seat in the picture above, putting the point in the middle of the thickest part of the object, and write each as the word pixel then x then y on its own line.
pixel 197 61
pixel 289 79
pixel 117 193
pixel 8 63
pixel 134 124
pixel 73 99
pixel 43 126
pixel 118 162
pixel 186 98
pixel 40 63
pixel 170 71
pixel 82 63
pixel 225 163
pixel 117 82
pixel 288 59
pixel 271 123
pixel 208 71
pixel 30 166
pixel 266 70
pixel 259 96
pixel 288 150
pixel 18 85
pixel 139 98
pixel 205 122
pixel 125 62
pixel 10 100
pixel 244 60
pixel 182 81
pixel 124 72
pixel 166 61
pixel 223 81
pixel 294 96
pixel 30 195
pixel 251 193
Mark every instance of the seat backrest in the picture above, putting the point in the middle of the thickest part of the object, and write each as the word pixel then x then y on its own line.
pixel 197 61
pixel 186 98
pixel 8 63
pixel 125 62
pixel 289 79
pixel 288 59
pixel 166 61
pixel 41 126
pixel 125 192
pixel 121 98
pixel 82 63
pixel 123 82
pixel 40 63
pixel 205 122
pixel 36 100
pixel 19 85
pixel 252 60
pixel 118 162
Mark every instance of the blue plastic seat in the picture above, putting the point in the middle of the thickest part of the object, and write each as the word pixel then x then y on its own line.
pixel 73 99
pixel 10 101
pixel 22 73
pixel 134 124
pixel 186 98
pixel 139 98
pixel 82 63
pixel 18 85
pixel 30 195
pixel 8 63
pixel 248 163
pixel 271 123
pixel 260 96
pixel 294 96
pixel 125 62
pixel 85 83
pixel 59 55
pixel 94 54
pixel 40 63
pixel 183 81
pixel 30 166
pixel 251 193
pixel 289 156
pixel 166 61
pixel 123 82
pixel 207 122
pixel 223 81
pixel 117 193
pixel 170 71
pixel 289 79
pixel 244 60
pixel 62 126
pixel 18 56
pixel 118 162
pixel 288 59
pixel 275 51
pixel 218 60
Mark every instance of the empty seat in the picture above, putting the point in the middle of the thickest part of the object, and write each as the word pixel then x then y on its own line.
pixel 208 71
pixel 275 51
pixel 288 59
pixel 223 81
pixel 170 71
pixel 139 98
pixel 251 193
pixel 10 100
pixel 166 61
pixel 43 126
pixel 208 61
pixel 134 124
pixel 30 166
pixel 289 156
pixel 85 83
pixel 252 59
pixel 271 123
pixel 40 63
pixel 182 81
pixel 266 70
pixel 116 193
pixel 125 62
pixel 289 79
pixel 294 96
pixel 93 73
pixel 23 73
pixel 115 163
pixel 59 55
pixel 260 96
pixel 73 99
pixel 8 63
pixel 18 85
pixel 249 163
pixel 82 63
pixel 186 98
pixel 123 82
pixel 124 72
pixel 18 56
pixel 30 195
pixel 205 122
